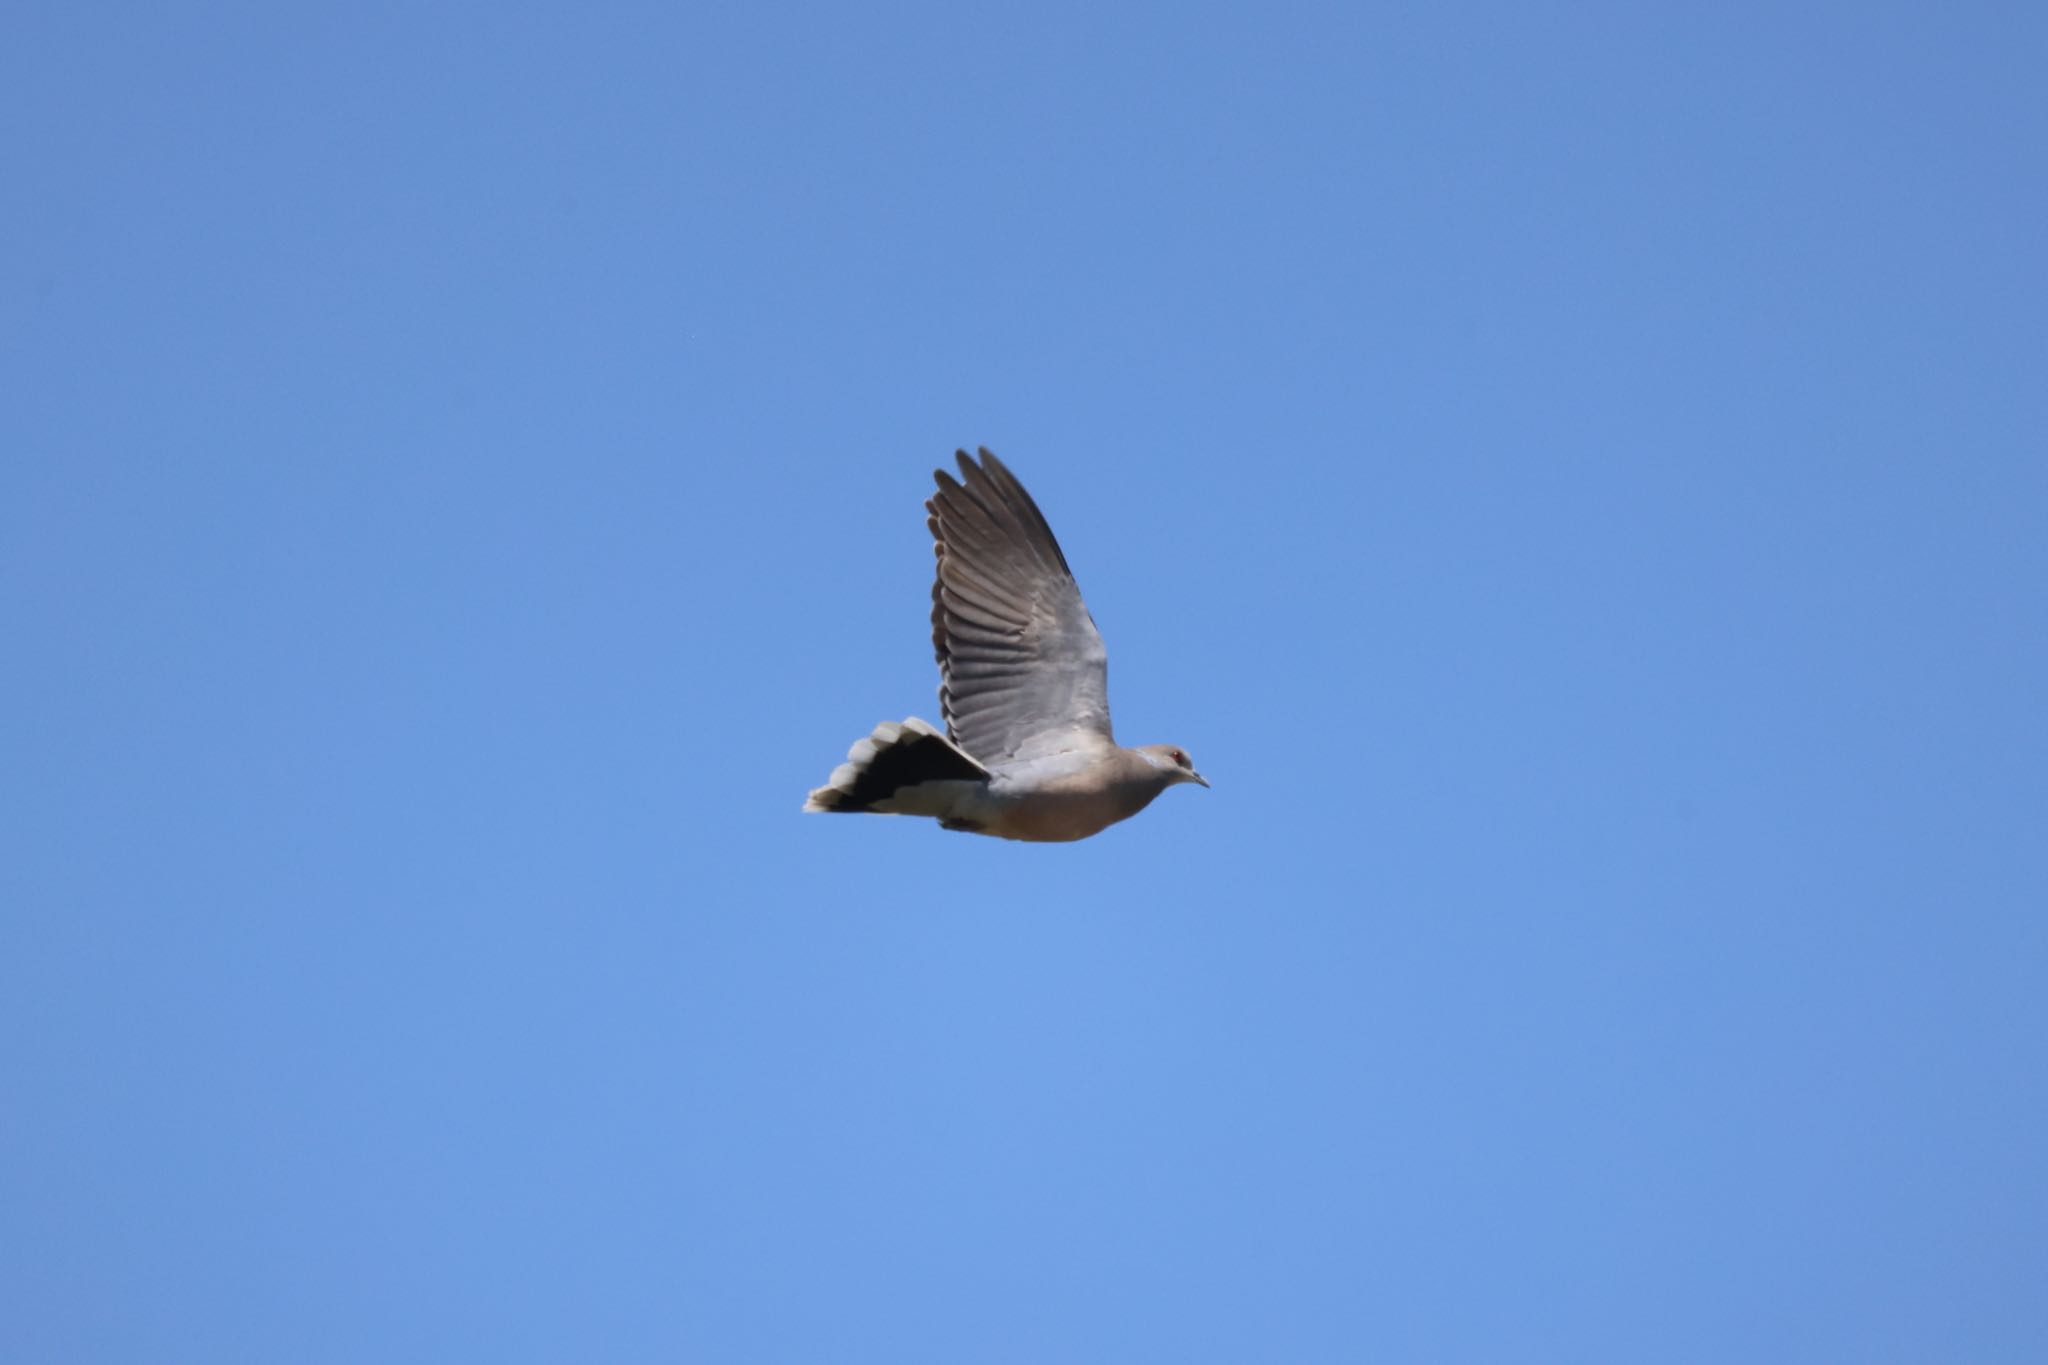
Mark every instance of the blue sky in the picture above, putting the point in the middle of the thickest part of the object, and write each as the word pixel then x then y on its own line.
pixel 1576 479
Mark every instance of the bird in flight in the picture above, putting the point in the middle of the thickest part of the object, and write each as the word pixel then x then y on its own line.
pixel 1023 689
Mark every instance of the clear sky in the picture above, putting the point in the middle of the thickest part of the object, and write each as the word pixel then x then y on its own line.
pixel 1575 478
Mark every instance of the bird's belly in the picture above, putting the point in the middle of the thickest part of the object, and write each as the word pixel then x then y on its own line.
pixel 1058 817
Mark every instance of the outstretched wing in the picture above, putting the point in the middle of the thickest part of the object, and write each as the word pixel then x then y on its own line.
pixel 1022 671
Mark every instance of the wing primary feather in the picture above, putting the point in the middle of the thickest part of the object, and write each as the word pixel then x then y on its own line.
pixel 1027 513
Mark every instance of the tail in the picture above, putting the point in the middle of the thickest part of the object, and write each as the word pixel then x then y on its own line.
pixel 889 772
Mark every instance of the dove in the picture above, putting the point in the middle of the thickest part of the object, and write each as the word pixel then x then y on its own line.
pixel 1027 751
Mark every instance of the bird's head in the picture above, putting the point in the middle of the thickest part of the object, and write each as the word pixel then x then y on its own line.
pixel 1173 763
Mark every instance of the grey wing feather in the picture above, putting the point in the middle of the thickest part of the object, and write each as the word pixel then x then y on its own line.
pixel 1022 670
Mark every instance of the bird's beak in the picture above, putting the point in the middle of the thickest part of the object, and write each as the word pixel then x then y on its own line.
pixel 1194 776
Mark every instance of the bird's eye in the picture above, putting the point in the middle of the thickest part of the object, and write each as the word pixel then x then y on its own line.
pixel 1180 758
